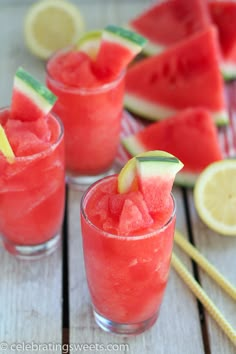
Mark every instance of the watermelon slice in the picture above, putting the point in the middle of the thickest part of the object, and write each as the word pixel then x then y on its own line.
pixel 117 49
pixel 168 22
pixel 187 75
pixel 30 99
pixel 223 15
pixel 153 174
pixel 191 136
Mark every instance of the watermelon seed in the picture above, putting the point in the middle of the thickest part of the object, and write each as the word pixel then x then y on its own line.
pixel 172 79
pixel 166 69
pixel 154 78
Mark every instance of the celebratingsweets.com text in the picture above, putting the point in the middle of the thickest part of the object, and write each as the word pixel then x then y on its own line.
pixel 62 348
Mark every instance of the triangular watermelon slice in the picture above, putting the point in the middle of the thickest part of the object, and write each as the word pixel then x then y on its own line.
pixel 191 136
pixel 168 22
pixel 186 75
pixel 117 49
pixel 156 178
pixel 223 15
pixel 31 100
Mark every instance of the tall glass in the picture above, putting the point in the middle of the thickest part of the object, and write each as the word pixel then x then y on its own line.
pixel 32 195
pixel 92 122
pixel 126 275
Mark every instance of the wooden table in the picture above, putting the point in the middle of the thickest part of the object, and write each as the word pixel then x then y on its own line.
pixel 46 301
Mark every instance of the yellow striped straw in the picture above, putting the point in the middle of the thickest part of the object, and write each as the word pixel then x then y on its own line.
pixel 203 298
pixel 205 264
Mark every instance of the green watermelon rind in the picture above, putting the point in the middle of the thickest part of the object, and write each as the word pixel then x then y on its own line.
pixel 126 38
pixel 145 109
pixel 186 179
pixel 40 95
pixel 150 48
pixel 150 159
pixel 228 70
pixel 132 145
pixel 151 166
pixel 154 111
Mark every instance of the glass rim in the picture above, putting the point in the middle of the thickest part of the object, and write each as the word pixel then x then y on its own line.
pixel 79 90
pixel 122 237
pixel 48 150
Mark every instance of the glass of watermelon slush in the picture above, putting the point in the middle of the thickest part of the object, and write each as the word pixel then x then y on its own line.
pixel 91 117
pixel 32 186
pixel 90 95
pixel 126 273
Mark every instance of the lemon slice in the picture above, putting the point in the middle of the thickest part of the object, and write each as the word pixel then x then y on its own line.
pixel 215 197
pixel 5 146
pixel 89 43
pixel 51 25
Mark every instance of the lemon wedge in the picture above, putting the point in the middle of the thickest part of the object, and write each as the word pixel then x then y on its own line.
pixel 215 197
pixel 89 43
pixel 51 25
pixel 5 146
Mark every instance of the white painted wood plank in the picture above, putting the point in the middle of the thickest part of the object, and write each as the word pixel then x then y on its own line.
pixel 99 13
pixel 30 300
pixel 220 251
pixel 177 329
pixel 30 292
pixel 13 51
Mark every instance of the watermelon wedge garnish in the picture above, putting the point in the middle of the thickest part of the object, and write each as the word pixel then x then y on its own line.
pixel 223 14
pixel 190 135
pixel 156 177
pixel 5 147
pixel 168 22
pixel 30 99
pixel 186 75
pixel 117 49
pixel 153 174
pixel 140 208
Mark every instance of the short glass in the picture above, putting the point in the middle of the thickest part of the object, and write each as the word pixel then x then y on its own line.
pixel 126 275
pixel 92 123
pixel 32 196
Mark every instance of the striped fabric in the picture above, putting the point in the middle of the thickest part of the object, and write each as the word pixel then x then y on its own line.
pixel 227 135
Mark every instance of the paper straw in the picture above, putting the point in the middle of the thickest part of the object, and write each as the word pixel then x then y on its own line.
pixel 205 264
pixel 203 298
